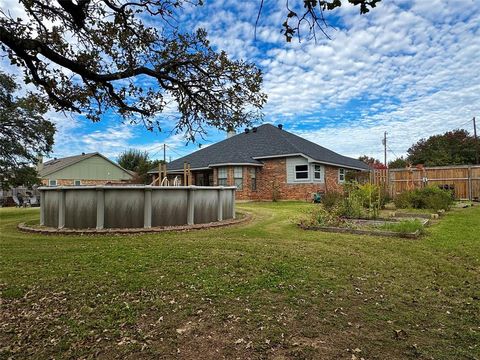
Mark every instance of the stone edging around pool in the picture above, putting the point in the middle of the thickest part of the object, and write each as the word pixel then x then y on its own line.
pixel 53 231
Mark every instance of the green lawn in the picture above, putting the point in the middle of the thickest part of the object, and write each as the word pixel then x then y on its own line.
pixel 264 289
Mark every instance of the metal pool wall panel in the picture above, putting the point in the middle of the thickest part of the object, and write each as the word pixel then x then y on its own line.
pixel 228 204
pixel 206 203
pixel 124 207
pixel 169 206
pixel 50 208
pixel 80 208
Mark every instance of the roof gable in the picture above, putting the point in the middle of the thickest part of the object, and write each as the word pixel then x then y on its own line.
pixel 55 165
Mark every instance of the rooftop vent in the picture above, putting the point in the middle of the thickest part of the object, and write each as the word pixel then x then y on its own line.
pixel 254 129
pixel 247 130
pixel 280 126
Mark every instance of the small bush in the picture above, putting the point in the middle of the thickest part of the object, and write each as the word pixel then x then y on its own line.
pixel 320 216
pixel 332 199
pixel 430 197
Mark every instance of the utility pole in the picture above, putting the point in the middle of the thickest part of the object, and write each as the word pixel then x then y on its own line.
pixel 476 140
pixel 165 153
pixel 384 142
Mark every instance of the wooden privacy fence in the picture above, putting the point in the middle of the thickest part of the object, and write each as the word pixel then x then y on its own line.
pixel 464 180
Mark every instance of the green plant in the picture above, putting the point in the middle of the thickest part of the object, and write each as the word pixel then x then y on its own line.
pixel 331 199
pixel 320 216
pixel 403 227
pixel 353 205
pixel 430 197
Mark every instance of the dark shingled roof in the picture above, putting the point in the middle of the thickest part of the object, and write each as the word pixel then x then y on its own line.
pixel 266 141
pixel 55 165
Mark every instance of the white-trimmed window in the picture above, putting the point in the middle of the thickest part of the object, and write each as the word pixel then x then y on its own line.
pixel 301 172
pixel 253 178
pixel 222 176
pixel 238 177
pixel 341 175
pixel 77 182
pixel 52 182
pixel 317 172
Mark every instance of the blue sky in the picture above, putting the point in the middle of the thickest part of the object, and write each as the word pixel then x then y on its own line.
pixel 410 68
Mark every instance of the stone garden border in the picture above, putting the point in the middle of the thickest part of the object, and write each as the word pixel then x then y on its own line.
pixel 333 229
pixel 245 217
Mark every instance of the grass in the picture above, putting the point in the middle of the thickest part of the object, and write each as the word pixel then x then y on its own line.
pixel 403 227
pixel 259 290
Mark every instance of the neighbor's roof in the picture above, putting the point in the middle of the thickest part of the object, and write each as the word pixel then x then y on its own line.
pixel 55 165
pixel 267 141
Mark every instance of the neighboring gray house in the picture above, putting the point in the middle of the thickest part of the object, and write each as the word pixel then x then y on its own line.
pixel 267 162
pixel 83 169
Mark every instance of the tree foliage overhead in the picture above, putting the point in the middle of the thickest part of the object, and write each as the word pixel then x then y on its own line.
pixel 311 15
pixel 90 56
pixel 24 134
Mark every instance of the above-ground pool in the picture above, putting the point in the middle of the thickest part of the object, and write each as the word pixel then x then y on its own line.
pixel 118 207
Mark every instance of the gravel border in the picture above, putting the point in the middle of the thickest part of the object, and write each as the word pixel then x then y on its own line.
pixel 54 231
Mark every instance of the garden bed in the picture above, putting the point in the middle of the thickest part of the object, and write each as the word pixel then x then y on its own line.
pixel 391 228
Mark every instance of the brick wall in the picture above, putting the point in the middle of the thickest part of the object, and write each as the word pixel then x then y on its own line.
pixel 272 183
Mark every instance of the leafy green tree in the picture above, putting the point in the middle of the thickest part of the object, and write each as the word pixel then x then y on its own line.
pixel 139 162
pixel 24 134
pixel 398 163
pixel 91 56
pixel 455 147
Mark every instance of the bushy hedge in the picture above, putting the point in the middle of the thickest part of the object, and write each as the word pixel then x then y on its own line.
pixel 430 197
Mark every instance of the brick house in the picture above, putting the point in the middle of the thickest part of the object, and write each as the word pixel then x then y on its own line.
pixel 267 163
pixel 83 169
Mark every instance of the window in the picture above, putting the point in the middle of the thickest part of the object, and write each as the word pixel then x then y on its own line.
pixel 341 175
pixel 238 177
pixel 222 176
pixel 253 178
pixel 77 182
pixel 52 183
pixel 317 172
pixel 301 172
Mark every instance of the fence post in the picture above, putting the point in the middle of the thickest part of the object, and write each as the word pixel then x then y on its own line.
pixel 220 204
pixel 470 195
pixel 147 207
pixel 42 207
pixel 100 208
pixel 190 205
pixel 61 208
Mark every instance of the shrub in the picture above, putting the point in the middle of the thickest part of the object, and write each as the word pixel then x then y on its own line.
pixel 353 205
pixel 332 199
pixel 320 216
pixel 430 197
